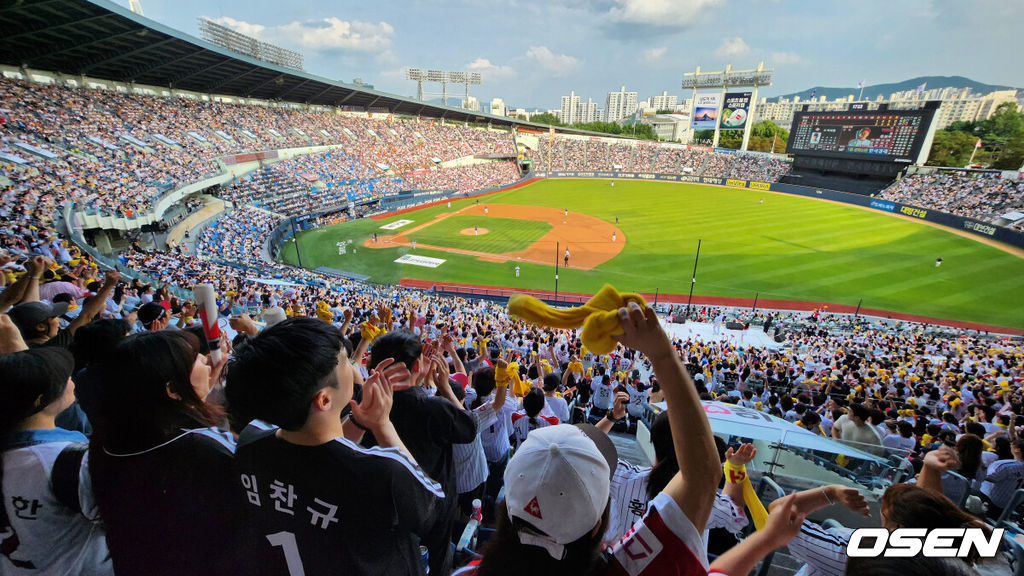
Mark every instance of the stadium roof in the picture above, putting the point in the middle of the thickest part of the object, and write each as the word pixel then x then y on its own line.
pixel 100 39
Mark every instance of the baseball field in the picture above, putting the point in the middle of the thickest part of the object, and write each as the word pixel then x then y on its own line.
pixel 642 237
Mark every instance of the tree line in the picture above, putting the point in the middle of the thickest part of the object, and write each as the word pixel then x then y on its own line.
pixel 1001 136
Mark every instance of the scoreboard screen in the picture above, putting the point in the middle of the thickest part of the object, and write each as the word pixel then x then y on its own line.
pixel 889 135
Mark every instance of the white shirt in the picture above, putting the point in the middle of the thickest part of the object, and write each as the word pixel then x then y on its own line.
pixel 604 394
pixel 55 539
pixel 558 406
pixel 470 460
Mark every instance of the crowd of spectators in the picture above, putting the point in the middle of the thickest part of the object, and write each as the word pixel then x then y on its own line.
pixel 983 197
pixel 124 429
pixel 463 178
pixel 879 385
pixel 575 154
pixel 116 153
pixel 326 181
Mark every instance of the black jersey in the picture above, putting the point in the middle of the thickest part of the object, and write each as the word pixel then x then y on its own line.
pixel 336 508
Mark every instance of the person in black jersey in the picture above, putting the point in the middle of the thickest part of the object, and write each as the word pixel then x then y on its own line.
pixel 161 471
pixel 317 502
pixel 429 426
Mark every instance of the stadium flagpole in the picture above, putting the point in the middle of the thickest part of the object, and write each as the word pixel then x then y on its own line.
pixel 693 280
pixel 557 250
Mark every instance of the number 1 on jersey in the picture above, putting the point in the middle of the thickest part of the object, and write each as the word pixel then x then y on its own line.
pixel 286 540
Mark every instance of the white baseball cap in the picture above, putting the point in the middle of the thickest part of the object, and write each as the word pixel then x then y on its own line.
pixel 557 485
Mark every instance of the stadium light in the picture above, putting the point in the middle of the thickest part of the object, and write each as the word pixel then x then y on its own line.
pixel 248 46
pixel 443 78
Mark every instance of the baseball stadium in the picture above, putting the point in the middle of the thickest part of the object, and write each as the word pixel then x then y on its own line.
pixel 254 320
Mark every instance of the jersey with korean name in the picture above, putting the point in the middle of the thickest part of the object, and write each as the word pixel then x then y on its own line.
pixel 337 506
pixel 45 536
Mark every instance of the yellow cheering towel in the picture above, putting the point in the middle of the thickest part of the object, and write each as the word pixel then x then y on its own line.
pixel 738 475
pixel 598 317
pixel 576 367
pixel 370 332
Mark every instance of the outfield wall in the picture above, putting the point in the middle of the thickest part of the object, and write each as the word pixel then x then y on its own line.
pixel 976 227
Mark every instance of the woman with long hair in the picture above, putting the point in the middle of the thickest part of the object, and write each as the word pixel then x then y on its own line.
pixel 161 472
pixel 529 418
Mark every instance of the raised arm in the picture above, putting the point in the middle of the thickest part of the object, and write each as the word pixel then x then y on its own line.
pixel 783 525
pixel 694 487
pixel 97 303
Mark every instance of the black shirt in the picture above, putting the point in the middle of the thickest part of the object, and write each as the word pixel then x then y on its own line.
pixel 429 426
pixel 170 510
pixel 337 508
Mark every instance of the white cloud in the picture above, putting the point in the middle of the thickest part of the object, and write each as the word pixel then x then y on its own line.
pixel 732 47
pixel 654 53
pixel 666 13
pixel 557 63
pixel 489 70
pixel 329 33
pixel 786 58
pixel 246 28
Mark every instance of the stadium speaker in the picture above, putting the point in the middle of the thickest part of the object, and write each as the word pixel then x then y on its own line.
pixel 734 325
pixel 780 338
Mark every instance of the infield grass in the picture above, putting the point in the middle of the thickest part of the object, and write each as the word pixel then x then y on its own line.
pixel 500 235
pixel 787 247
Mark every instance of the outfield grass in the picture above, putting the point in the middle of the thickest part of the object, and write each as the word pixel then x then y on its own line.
pixel 787 247
pixel 500 235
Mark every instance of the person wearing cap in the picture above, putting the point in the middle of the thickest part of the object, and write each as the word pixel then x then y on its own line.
pixel 557 491
pixel 49 519
pixel 39 322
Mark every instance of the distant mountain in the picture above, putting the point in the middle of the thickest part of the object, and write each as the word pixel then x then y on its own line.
pixel 872 92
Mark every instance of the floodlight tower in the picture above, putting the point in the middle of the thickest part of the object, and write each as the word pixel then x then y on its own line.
pixel 443 78
pixel 465 78
pixel 418 76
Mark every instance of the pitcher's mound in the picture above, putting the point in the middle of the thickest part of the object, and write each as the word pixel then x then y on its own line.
pixel 474 232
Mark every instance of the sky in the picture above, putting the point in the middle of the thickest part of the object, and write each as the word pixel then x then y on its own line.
pixel 531 52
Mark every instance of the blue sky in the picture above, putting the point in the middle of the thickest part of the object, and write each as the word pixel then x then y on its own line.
pixel 532 52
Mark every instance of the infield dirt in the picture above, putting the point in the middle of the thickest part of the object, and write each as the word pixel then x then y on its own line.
pixel 588 239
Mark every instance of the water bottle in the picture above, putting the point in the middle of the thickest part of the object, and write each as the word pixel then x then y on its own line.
pixel 477 515
pixel 468 538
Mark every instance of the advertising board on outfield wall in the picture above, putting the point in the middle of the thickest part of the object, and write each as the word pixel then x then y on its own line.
pixel 1000 233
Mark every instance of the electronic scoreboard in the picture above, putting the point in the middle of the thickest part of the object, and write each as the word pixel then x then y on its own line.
pixel 875 135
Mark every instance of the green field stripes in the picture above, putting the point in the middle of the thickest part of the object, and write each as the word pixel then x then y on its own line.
pixel 752 243
pixel 500 234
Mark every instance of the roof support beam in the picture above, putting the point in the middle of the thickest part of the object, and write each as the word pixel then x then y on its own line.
pixel 227 81
pixel 204 69
pixel 320 93
pixel 67 47
pixel 139 50
pixel 50 25
pixel 248 92
pixel 292 89
pixel 150 69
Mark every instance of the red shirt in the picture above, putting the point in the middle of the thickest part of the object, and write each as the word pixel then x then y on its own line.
pixel 662 543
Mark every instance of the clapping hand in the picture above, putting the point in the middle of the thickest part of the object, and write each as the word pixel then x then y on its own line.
pixel 378 394
pixel 742 456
